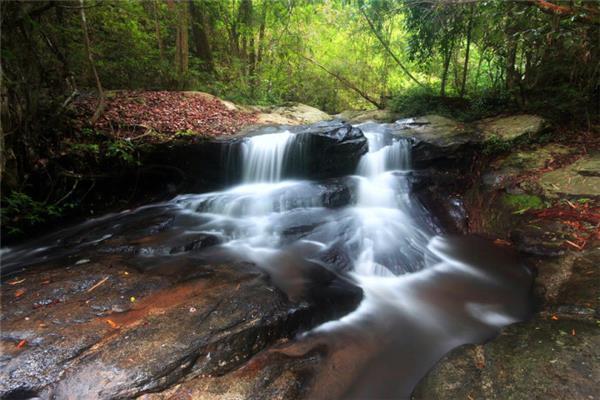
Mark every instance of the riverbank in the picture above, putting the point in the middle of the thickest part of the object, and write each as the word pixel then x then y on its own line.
pixel 524 185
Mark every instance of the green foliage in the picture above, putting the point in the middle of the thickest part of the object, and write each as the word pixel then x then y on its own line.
pixel 84 148
pixel 19 212
pixel 522 202
pixel 122 150
pixel 496 145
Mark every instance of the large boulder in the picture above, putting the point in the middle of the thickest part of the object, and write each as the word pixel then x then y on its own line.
pixel 437 139
pixel 359 117
pixel 505 171
pixel 109 328
pixel 291 114
pixel 580 179
pixel 512 128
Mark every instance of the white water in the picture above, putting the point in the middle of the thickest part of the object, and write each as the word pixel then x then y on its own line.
pixel 264 155
pixel 423 294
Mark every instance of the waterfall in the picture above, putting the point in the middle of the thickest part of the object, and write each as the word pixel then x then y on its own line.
pixel 390 239
pixel 263 156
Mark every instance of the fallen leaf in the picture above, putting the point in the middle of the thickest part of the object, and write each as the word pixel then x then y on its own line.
pixel 98 284
pixel 112 323
pixel 21 344
pixel 16 282
pixel 554 318
pixel 20 292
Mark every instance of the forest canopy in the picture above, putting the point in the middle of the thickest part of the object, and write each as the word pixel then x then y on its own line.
pixel 466 58
pixel 335 54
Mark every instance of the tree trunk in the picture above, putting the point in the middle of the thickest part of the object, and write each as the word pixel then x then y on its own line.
pixel 201 43
pixel 182 43
pixel 161 49
pixel 511 51
pixel 466 65
pixel 447 57
pixel 86 37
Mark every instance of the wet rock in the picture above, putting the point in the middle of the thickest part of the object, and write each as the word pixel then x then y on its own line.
pixel 513 128
pixel 540 359
pixel 438 139
pixel 196 242
pixel 327 150
pixel 542 237
pixel 155 340
pixel 580 179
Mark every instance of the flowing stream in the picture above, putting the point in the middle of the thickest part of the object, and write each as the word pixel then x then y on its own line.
pixel 424 293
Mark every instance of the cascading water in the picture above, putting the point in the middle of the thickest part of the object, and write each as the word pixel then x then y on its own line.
pixel 423 294
pixel 263 156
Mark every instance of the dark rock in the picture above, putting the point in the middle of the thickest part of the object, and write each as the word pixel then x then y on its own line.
pixel 174 328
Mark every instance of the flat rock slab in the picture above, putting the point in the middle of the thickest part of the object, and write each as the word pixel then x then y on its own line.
pixel 511 128
pixel 105 329
pixel 540 359
pixel 579 179
pixel 504 171
pixel 359 116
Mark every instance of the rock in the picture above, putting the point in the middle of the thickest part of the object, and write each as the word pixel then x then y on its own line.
pixel 358 117
pixel 79 346
pixel 504 171
pixel 580 179
pixel 512 128
pixel 320 151
pixel 438 139
pixel 540 359
pixel 328 150
pixel 293 114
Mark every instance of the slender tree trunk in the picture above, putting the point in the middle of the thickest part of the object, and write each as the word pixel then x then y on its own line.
pixel 387 48
pixel 346 83
pixel 161 49
pixel 446 66
pixel 86 37
pixel 466 65
pixel 182 42
pixel 511 45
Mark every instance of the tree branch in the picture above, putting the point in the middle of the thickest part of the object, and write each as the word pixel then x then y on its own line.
pixel 345 82
pixel 387 48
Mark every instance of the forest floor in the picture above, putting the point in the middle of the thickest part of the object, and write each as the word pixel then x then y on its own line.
pixel 160 115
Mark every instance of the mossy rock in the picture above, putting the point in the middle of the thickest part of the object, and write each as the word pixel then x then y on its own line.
pixel 504 170
pixel 512 128
pixel 522 202
pixel 580 179
pixel 540 359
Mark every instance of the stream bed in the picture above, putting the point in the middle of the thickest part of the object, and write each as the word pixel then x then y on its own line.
pixel 423 292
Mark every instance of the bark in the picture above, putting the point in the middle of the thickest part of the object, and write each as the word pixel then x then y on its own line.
pixel 387 48
pixel 511 44
pixel 446 67
pixel 201 43
pixel 466 65
pixel 182 42
pixel 86 37
pixel 588 16
pixel 161 49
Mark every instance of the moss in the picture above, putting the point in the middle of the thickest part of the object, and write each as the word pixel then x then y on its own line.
pixel 522 202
